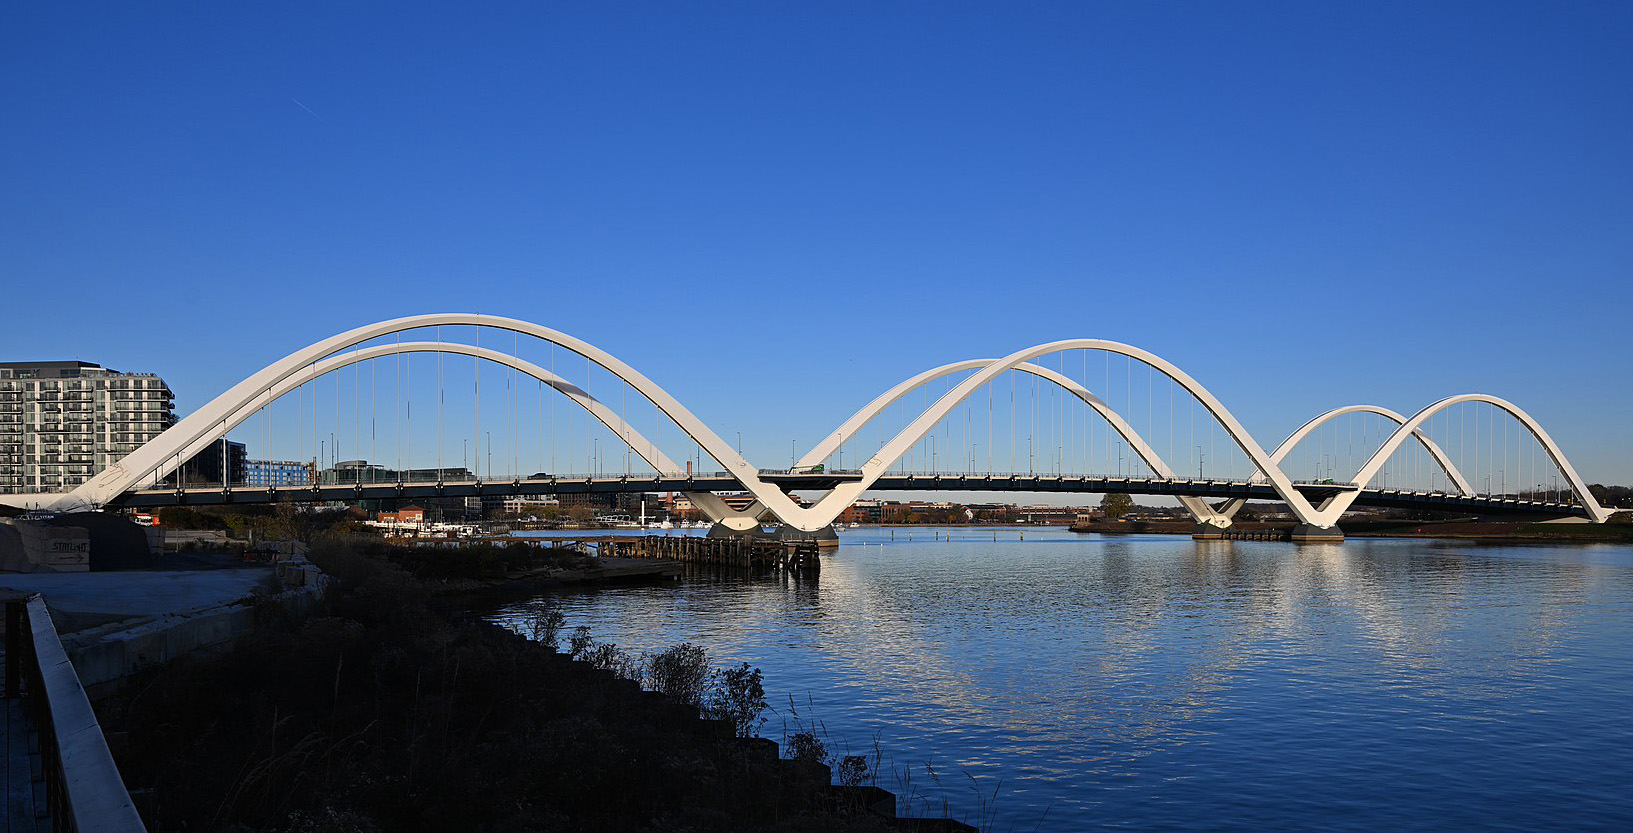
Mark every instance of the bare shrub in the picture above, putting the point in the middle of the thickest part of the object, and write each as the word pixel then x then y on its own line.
pixel 807 748
pixel 737 694
pixel 580 643
pixel 607 656
pixel 681 673
pixel 853 770
pixel 547 623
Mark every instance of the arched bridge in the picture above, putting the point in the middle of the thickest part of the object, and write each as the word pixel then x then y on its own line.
pixel 136 479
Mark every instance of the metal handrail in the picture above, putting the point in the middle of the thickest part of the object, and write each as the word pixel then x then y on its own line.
pixel 83 790
pixel 811 470
pixel 449 477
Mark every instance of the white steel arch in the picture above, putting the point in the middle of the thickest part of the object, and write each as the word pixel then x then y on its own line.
pixel 1336 506
pixel 1325 516
pixel 135 466
pixel 1198 507
pixel 844 493
pixel 643 447
pixel 1429 445
pixel 203 426
pixel 1230 507
pixel 710 503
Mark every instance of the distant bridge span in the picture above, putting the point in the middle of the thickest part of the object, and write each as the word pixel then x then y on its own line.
pixel 1243 490
pixel 1317 505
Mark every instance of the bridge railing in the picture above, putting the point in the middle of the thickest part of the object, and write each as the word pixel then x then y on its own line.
pixel 83 790
pixel 1050 475
pixel 1567 500
pixel 811 470
pixel 433 477
pixel 549 482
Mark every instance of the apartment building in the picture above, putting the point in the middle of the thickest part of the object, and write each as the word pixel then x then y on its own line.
pixel 279 473
pixel 63 421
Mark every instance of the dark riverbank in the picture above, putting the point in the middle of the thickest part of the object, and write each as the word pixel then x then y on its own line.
pixel 391 709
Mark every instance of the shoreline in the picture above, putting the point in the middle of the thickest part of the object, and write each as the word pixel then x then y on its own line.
pixel 414 707
pixel 1497 533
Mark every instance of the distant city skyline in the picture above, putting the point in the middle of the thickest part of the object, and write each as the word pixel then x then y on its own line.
pixel 776 214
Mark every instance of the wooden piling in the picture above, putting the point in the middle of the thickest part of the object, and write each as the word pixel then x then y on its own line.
pixel 757 555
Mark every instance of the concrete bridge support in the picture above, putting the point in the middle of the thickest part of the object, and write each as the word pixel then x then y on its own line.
pixel 1303 534
pixel 1208 532
pixel 1312 534
pixel 824 537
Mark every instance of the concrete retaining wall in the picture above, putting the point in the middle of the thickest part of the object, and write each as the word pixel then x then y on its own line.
pixel 105 656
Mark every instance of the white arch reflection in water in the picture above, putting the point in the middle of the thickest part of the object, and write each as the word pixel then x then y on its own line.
pixel 1157 682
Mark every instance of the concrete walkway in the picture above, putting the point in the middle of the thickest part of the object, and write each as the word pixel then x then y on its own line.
pixel 79 600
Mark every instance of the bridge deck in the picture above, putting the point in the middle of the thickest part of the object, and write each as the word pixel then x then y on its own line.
pixel 822 481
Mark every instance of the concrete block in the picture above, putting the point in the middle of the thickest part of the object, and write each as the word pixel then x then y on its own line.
pixel 869 798
pixel 1312 534
pixel 63 549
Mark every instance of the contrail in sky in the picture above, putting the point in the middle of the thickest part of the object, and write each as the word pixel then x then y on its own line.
pixel 309 110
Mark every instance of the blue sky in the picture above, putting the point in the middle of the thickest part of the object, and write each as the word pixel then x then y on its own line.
pixel 777 210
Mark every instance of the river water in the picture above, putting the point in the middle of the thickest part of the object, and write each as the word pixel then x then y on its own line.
pixel 1068 682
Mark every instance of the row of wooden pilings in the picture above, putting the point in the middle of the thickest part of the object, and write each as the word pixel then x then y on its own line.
pixel 753 554
pixel 1234 534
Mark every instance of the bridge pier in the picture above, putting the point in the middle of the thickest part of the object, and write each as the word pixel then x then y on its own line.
pixel 1302 534
pixel 1208 532
pixel 824 537
pixel 1312 534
